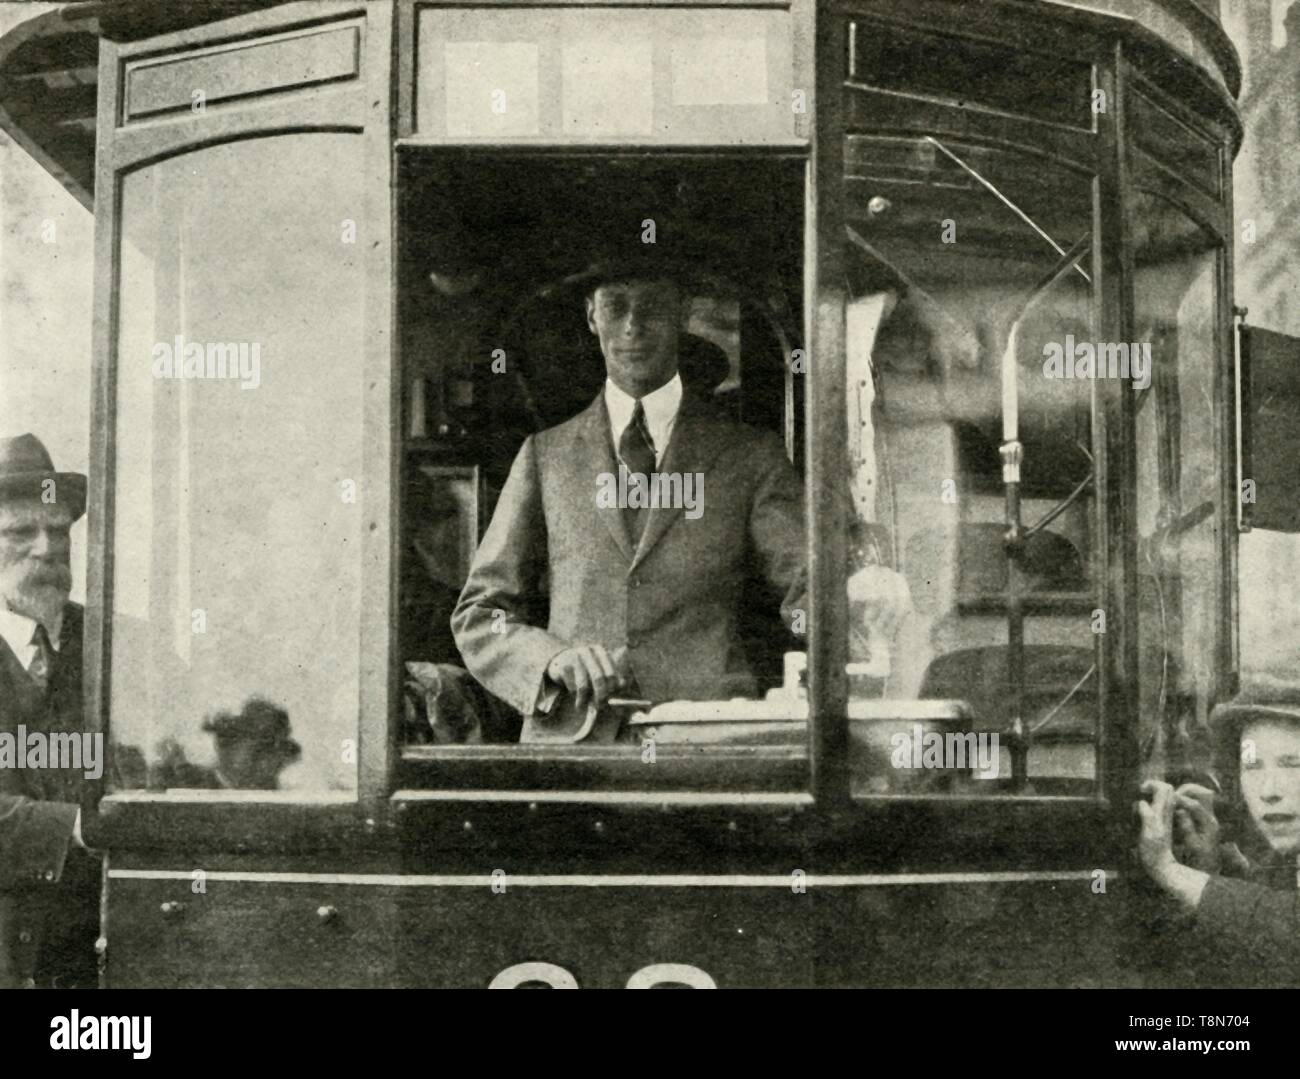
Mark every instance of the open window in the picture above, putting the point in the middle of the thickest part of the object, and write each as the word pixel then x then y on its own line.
pixel 496 346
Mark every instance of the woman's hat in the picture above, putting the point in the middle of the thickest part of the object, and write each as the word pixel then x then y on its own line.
pixel 25 469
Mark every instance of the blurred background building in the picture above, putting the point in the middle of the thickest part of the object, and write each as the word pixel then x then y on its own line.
pixel 1267 194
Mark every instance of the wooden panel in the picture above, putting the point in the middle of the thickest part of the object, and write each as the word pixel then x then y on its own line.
pixel 1061 934
pixel 779 930
pixel 244 934
pixel 738 937
pixel 241 69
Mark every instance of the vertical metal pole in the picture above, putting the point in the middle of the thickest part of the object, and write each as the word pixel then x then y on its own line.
pixel 1012 453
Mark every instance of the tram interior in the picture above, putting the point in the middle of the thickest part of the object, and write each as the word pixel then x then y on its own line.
pixel 485 253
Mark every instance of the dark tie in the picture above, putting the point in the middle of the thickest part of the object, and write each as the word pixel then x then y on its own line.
pixel 43 661
pixel 637 450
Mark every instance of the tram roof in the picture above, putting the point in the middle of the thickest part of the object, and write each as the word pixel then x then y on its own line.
pixel 49 73
pixel 49 68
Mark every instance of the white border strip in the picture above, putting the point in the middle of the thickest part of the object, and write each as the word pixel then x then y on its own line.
pixel 637 798
pixel 522 880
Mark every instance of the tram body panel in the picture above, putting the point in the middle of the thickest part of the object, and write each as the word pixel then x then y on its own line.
pixel 298 927
pixel 423 173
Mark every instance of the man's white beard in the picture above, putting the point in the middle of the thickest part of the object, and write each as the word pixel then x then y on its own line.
pixel 43 601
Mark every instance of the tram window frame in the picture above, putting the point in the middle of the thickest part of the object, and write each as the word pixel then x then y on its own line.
pixel 131 817
pixel 1151 173
pixel 880 832
pixel 1052 819
pixel 993 128
pixel 751 771
pixel 1116 750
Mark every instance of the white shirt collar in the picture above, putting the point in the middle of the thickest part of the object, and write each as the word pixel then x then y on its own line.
pixel 660 412
pixel 17 630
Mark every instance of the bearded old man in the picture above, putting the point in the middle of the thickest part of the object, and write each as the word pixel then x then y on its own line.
pixel 49 881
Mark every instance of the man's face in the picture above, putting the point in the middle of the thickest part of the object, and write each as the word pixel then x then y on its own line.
pixel 250 765
pixel 35 558
pixel 1270 781
pixel 637 323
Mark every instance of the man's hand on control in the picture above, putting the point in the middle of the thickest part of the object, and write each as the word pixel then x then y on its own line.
pixel 589 672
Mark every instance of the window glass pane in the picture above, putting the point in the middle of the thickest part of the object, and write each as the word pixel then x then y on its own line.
pixel 971 72
pixel 970 275
pixel 238 472
pixel 1180 519
pixel 516 516
pixel 1173 144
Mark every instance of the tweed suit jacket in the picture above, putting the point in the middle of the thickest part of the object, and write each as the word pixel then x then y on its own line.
pixel 673 600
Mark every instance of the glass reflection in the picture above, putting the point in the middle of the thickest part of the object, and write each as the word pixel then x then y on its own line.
pixel 238 466
pixel 1179 465
pixel 968 268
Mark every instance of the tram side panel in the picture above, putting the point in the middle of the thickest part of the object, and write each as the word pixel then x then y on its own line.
pixel 248 930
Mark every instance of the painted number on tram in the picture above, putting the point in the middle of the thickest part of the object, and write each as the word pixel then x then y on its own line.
pixel 557 977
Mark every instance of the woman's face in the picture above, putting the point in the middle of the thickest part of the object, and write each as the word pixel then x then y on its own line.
pixel 1270 781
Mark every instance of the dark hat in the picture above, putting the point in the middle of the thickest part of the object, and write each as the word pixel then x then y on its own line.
pixel 645 264
pixel 260 721
pixel 25 464
pixel 1265 694
pixel 704 366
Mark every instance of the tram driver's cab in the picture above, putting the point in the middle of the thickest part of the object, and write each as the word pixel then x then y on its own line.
pixel 984 324
pixel 496 346
pixel 973 351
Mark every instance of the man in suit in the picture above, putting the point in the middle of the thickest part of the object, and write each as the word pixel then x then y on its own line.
pixel 49 881
pixel 643 598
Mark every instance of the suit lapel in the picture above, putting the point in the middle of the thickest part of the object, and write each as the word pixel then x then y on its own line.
pixel 594 431
pixel 696 440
